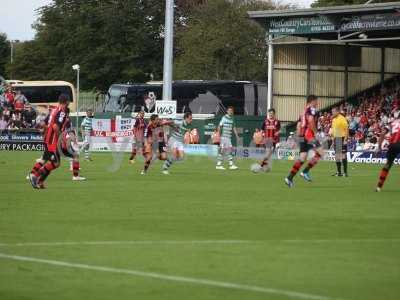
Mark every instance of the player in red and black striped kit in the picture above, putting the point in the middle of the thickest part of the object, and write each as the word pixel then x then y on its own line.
pixel 393 151
pixel 307 130
pixel 271 128
pixel 57 120
pixel 138 133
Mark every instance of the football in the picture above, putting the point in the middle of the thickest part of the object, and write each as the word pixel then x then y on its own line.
pixel 256 168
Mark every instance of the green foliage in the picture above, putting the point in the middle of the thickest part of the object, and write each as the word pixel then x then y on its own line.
pixel 113 41
pixel 4 53
pixel 326 3
pixel 220 42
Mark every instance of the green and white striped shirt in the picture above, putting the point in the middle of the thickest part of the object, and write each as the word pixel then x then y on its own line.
pixel 179 130
pixel 87 125
pixel 226 126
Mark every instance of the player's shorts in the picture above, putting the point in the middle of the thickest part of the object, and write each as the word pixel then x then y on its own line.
pixel 225 143
pixel 176 145
pixel 306 146
pixel 136 143
pixel 54 157
pixel 393 152
pixel 270 144
pixel 68 152
pixel 162 147
pixel 147 149
pixel 339 145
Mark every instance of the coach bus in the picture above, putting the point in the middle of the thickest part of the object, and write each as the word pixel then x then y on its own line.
pixel 199 97
pixel 44 94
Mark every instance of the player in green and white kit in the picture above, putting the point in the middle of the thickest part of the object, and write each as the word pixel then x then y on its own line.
pixel 86 129
pixel 225 128
pixel 176 143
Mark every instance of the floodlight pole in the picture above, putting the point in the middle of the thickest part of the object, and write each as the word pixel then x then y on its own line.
pixel 77 68
pixel 168 50
pixel 270 70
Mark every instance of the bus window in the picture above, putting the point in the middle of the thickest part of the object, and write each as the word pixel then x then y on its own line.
pixel 42 94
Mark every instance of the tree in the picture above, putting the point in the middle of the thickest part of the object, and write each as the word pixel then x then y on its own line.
pixel 326 3
pixel 219 41
pixel 4 53
pixel 112 40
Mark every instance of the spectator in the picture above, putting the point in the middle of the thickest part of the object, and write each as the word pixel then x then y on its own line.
pixel 29 117
pixel 3 122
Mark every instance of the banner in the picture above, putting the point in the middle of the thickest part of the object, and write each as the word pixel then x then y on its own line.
pixel 166 109
pixel 322 24
pixel 21 146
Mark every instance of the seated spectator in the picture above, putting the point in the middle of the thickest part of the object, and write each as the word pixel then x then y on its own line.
pixel 16 120
pixel 29 117
pixel 3 122
pixel 20 97
pixel 10 96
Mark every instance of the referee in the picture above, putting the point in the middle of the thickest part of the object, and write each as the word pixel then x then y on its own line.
pixel 340 133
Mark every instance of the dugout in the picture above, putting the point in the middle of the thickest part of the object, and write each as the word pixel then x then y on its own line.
pixel 334 53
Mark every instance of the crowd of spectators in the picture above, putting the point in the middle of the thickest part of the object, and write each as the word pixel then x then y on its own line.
pixel 367 118
pixel 15 111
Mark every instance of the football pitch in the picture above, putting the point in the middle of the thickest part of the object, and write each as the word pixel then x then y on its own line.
pixel 198 233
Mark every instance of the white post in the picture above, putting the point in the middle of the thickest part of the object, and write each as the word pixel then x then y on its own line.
pixel 168 50
pixel 270 71
pixel 12 52
pixel 77 101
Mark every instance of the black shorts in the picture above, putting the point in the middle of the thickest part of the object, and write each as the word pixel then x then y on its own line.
pixel 393 152
pixel 339 145
pixel 307 146
pixel 67 153
pixel 162 147
pixel 54 157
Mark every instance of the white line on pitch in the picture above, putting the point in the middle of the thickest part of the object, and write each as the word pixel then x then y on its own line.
pixel 94 243
pixel 181 279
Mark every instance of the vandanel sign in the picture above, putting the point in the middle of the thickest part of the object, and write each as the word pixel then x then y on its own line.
pixel 309 25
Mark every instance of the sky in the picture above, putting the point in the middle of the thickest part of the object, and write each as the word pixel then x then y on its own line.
pixel 17 16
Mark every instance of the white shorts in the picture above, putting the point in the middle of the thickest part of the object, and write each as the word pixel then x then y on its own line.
pixel 137 143
pixel 175 145
pixel 226 143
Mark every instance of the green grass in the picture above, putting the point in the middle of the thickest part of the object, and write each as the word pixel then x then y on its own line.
pixel 334 237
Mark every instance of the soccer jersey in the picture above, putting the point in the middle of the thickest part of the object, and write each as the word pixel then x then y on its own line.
pixel 271 127
pixel 138 128
pixel 395 132
pixel 179 130
pixel 56 122
pixel 226 126
pixel 305 125
pixel 87 125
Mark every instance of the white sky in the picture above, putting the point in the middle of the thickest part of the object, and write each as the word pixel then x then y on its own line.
pixel 17 16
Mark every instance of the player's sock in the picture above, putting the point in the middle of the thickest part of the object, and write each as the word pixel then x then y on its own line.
pixel 75 168
pixel 230 159
pixel 167 164
pixel 382 177
pixel 220 158
pixel 344 161
pixel 312 163
pixel 36 168
pixel 133 155
pixel 146 165
pixel 46 170
pixel 295 169
pixel 264 162
pixel 339 167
